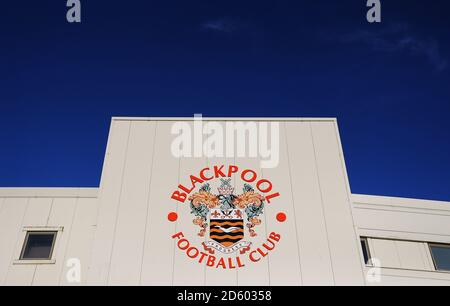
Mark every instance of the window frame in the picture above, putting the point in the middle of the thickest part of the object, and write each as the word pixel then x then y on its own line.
pixel 430 247
pixel 365 241
pixel 24 239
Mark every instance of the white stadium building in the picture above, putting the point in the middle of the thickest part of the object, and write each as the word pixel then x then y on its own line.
pixel 250 210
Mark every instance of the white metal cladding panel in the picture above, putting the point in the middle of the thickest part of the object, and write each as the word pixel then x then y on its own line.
pixel 61 214
pixel 37 214
pixel 11 218
pixel 400 229
pixel 129 229
pixel 256 274
pixel 413 221
pixel 185 270
pixel 81 238
pixel 284 263
pixel 157 257
pixel 133 243
pixel 108 202
pixel 308 210
pixel 20 212
pixel 344 245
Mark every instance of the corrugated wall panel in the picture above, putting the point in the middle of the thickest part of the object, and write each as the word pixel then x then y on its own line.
pixel 45 213
pixel 255 273
pixel 61 215
pixel 129 231
pixel 157 261
pixel 11 218
pixel 284 262
pixel 37 214
pixel 342 239
pixel 109 199
pixel 133 243
pixel 305 163
pixel 187 270
pixel 314 248
pixel 81 238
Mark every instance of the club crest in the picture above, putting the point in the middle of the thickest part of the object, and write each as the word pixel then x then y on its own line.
pixel 225 213
pixel 227 219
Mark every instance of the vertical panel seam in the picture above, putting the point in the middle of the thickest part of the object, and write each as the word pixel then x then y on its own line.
pixel 398 254
pixel 100 191
pixel 69 238
pixel 50 212
pixel 105 171
pixel 92 236
pixel 321 202
pixel 46 224
pixel 148 202
pixel 124 166
pixel 234 182
pixel 17 240
pixel 176 225
pixel 111 141
pixel 267 232
pixel 297 229
pixel 204 240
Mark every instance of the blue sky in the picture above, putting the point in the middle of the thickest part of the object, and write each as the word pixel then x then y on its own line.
pixel 388 84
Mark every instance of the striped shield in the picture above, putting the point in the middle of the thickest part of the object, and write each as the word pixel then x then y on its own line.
pixel 226 226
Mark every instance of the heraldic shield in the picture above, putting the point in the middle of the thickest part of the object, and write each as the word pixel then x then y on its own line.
pixel 226 226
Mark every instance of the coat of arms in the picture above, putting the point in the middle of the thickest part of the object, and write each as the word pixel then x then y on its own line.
pixel 227 216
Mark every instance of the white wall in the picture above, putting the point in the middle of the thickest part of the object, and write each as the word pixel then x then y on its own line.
pixel 133 242
pixel 399 231
pixel 72 210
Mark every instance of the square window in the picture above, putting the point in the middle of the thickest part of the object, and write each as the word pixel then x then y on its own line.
pixel 38 246
pixel 441 256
